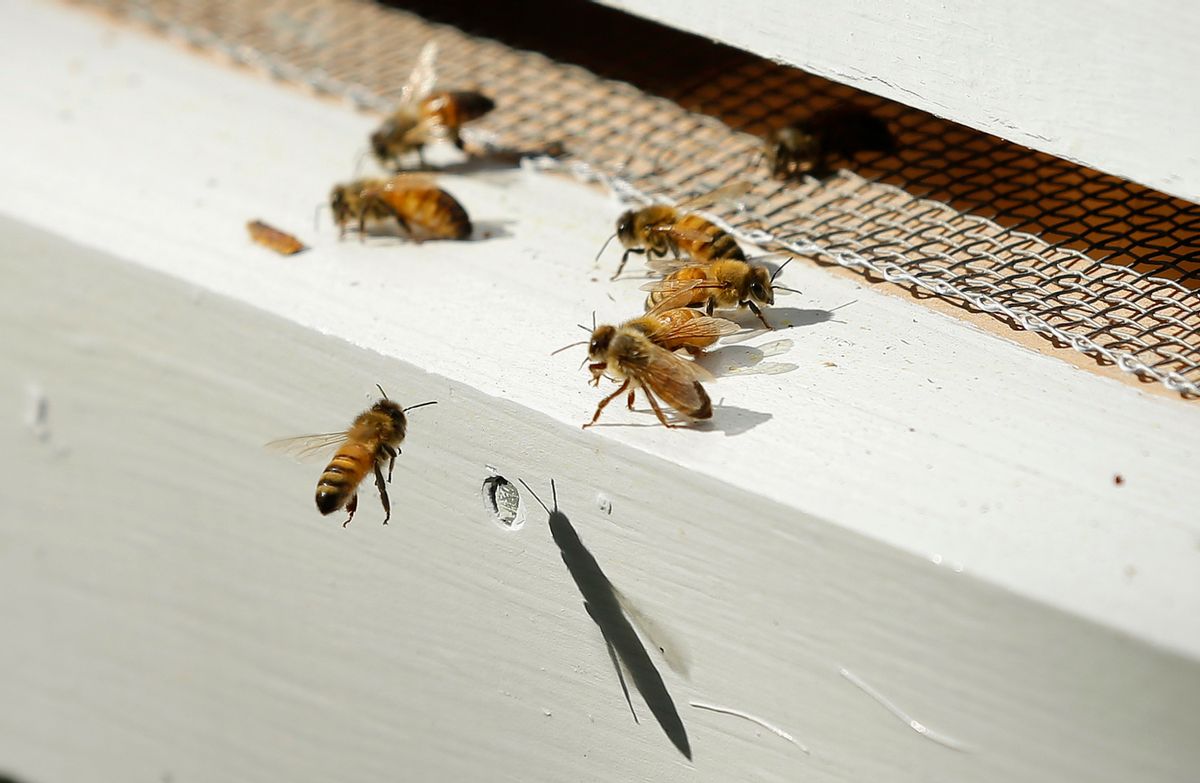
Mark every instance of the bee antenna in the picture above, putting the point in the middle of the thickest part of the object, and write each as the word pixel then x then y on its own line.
pixel 572 345
pixel 535 495
pixel 554 494
pixel 780 269
pixel 358 162
pixel 844 304
pixel 584 328
pixel 611 237
pixel 593 320
pixel 381 391
pixel 420 405
pixel 790 290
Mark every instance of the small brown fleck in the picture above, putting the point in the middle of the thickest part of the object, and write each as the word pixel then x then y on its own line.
pixel 1118 479
pixel 281 242
pixel 829 364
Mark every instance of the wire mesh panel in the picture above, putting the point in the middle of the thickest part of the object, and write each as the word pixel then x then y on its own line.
pixel 1088 260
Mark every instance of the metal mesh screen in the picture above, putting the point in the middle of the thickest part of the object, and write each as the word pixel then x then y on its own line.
pixel 1087 260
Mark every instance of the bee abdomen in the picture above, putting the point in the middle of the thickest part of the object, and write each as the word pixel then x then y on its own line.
pixel 442 216
pixel 341 477
pixel 725 247
pixel 705 409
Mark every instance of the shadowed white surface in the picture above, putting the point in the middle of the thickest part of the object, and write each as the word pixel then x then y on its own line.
pixel 175 606
pixel 1109 85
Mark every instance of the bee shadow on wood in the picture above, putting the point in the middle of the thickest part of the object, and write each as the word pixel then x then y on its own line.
pixel 733 420
pixel 481 231
pixel 624 645
pixel 748 359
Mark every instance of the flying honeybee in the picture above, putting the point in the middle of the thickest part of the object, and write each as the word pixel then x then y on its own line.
pixel 415 202
pixel 723 285
pixel 639 352
pixel 424 116
pixel 807 147
pixel 373 439
pixel 660 229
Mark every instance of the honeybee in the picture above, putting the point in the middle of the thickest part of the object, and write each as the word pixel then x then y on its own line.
pixel 808 146
pixel 640 352
pixel 415 202
pixel 669 325
pixel 724 284
pixel 373 438
pixel 424 116
pixel 660 229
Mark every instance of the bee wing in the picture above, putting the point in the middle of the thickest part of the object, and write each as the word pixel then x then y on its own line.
pixel 731 191
pixel 680 294
pixel 308 446
pixel 704 326
pixel 680 233
pixel 665 265
pixel 672 378
pixel 677 288
pixel 424 75
pixel 415 179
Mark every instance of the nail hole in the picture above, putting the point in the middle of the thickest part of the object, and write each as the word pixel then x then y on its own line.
pixel 503 502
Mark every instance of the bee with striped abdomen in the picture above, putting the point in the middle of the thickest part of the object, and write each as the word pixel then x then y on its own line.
pixel 373 439
pixel 721 285
pixel 421 209
pixel 659 230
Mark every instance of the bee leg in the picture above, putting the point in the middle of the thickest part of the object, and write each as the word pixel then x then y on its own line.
pixel 391 453
pixel 658 411
pixel 383 495
pixel 754 309
pixel 629 401
pixel 352 506
pixel 457 140
pixel 624 258
pixel 710 306
pixel 606 401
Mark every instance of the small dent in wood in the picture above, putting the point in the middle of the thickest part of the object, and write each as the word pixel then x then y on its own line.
pixel 502 501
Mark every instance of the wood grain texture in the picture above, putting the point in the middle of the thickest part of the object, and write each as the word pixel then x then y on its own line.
pixel 1108 85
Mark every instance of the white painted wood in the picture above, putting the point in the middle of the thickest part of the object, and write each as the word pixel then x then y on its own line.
pixel 173 603
pixel 1110 85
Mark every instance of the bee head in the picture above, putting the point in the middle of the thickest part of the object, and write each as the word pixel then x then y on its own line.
pixel 625 232
pixel 339 203
pixel 379 141
pixel 394 411
pixel 760 285
pixel 601 338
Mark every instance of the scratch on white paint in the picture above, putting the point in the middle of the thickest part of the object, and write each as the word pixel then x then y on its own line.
pixel 891 707
pixel 753 719
pixel 37 416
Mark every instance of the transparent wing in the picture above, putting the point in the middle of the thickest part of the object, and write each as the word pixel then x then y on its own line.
pixel 672 378
pixel 424 75
pixel 679 296
pixel 675 231
pixel 694 327
pixel 679 287
pixel 409 180
pixel 308 446
pixel 665 265
pixel 726 193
